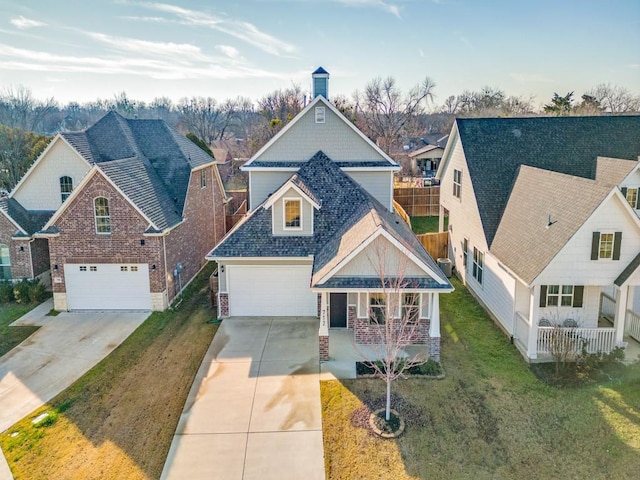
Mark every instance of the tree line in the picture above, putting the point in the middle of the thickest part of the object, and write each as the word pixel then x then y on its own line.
pixel 384 112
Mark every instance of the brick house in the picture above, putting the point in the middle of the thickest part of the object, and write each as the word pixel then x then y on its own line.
pixel 127 211
pixel 322 237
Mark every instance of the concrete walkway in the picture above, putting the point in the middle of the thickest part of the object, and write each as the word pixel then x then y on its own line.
pixel 60 352
pixel 254 408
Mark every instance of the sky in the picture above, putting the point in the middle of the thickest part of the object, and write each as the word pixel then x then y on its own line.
pixel 80 50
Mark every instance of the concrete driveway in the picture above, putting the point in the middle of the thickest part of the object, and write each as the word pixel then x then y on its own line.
pixel 254 408
pixel 60 352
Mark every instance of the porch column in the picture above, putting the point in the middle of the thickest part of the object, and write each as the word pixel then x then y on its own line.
pixel 323 331
pixel 532 344
pixel 621 313
pixel 434 327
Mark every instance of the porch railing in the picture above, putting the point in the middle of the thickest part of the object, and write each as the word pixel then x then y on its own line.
pixel 598 339
pixel 521 330
pixel 632 324
pixel 607 306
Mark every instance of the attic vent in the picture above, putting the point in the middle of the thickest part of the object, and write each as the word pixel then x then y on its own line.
pixel 320 114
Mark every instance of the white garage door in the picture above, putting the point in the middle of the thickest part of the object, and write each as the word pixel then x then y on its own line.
pixel 107 286
pixel 281 291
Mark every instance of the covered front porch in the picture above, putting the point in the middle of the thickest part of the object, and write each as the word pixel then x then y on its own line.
pixel 615 323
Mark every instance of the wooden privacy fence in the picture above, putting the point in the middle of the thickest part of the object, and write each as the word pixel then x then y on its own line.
pixel 437 244
pixel 418 201
pixel 231 220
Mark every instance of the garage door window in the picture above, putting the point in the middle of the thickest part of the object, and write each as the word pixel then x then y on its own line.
pixel 103 219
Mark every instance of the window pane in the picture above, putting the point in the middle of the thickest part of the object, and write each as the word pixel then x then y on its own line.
pixel 567 289
pixel 606 245
pixel 292 213
pixel 552 301
pixel 553 289
pixel 5 257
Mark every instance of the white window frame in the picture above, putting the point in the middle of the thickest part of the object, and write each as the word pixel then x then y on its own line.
pixel 380 306
pixel 600 245
pixel 320 114
pixel 284 213
pixel 5 247
pixel 465 253
pixel 96 216
pixel 477 270
pixel 632 197
pixel 557 295
pixel 63 194
pixel 405 306
pixel 457 183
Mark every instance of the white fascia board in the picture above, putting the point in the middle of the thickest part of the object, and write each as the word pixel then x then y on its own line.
pixel 389 168
pixel 308 259
pixel 271 169
pixel 446 156
pixel 41 157
pixel 204 165
pixel 283 189
pixel 382 290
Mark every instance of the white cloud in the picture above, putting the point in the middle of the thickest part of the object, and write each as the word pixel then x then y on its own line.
pixel 24 23
pixel 228 50
pixel 244 31
pixel 530 78
pixel 181 50
pixel 145 19
pixel 386 6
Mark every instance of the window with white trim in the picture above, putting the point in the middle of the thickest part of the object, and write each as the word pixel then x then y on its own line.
pixel 292 208
pixel 632 197
pixel 478 264
pixel 103 219
pixel 5 262
pixel 411 307
pixel 465 253
pixel 134 268
pixel 66 186
pixel 320 114
pixel 124 268
pixel 457 183
pixel 606 245
pixel 93 268
pixel 83 268
pixel 561 296
pixel 377 305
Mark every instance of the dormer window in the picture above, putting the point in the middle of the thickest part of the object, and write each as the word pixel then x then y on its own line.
pixel 320 114
pixel 66 186
pixel 292 214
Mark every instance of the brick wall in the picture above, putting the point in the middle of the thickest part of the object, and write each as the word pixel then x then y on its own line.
pixel 201 230
pixel 40 256
pixel 20 260
pixel 223 305
pixel 323 342
pixel 367 333
pixel 434 348
pixel 352 312
pixel 78 241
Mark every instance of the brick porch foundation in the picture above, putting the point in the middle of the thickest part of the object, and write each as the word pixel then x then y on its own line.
pixel 324 348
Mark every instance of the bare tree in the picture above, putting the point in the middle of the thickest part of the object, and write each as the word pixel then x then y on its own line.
pixel 20 109
pixel 383 110
pixel 205 117
pixel 394 314
pixel 615 99
pixel 18 150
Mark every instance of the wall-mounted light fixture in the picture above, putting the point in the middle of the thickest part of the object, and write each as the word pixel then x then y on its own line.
pixel 21 248
pixel 55 266
pixel 153 267
pixel 222 268
pixel 142 242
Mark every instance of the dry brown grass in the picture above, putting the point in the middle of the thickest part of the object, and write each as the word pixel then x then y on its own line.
pixel 118 420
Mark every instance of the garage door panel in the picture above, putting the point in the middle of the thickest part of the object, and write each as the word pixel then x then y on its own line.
pixel 107 286
pixel 259 290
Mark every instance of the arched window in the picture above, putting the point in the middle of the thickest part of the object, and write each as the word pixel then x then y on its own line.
pixel 66 185
pixel 103 220
pixel 5 262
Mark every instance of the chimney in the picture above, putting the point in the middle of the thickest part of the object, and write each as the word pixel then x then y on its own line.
pixel 320 83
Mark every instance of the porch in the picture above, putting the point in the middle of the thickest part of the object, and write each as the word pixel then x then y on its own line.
pixel 536 341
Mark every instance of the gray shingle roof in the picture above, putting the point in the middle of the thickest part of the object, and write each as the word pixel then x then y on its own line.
pixel 161 159
pixel 29 221
pixel 347 217
pixel 495 147
pixel 628 271
pixel 525 242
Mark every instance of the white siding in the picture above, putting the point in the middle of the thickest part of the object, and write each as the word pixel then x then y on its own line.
pixel 573 264
pixel 378 184
pixel 262 184
pixel 587 316
pixel 277 215
pixel 41 189
pixel 334 137
pixel 366 263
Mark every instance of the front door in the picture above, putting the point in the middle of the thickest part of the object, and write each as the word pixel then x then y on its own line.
pixel 338 310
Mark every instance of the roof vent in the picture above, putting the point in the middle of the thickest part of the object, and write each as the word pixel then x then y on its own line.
pixel 320 82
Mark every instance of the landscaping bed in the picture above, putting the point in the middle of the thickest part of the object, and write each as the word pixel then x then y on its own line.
pixel 491 417
pixel 118 420
pixel 429 369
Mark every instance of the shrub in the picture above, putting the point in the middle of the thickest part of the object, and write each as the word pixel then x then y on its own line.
pixel 6 292
pixel 37 292
pixel 21 291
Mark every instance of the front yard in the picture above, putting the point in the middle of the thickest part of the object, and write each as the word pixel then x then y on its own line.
pixel 489 418
pixel 118 420
pixel 12 336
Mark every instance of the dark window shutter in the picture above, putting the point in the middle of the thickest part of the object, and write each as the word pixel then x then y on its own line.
pixel 595 245
pixel 543 295
pixel 578 295
pixel 617 240
pixel 624 191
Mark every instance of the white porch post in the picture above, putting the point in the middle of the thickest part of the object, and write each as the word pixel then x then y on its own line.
pixel 434 326
pixel 621 313
pixel 532 344
pixel 324 315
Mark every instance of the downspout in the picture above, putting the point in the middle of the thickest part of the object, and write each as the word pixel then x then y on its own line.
pixel 166 281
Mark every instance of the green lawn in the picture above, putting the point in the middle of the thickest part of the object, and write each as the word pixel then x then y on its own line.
pixel 12 336
pixel 421 225
pixel 490 418
pixel 118 420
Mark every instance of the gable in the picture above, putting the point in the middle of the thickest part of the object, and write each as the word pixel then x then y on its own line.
pixel 40 187
pixel 278 214
pixel 336 137
pixel 573 265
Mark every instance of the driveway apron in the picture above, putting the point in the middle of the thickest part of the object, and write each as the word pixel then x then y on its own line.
pixel 254 408
pixel 60 352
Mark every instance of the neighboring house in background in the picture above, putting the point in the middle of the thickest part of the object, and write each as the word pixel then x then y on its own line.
pixel 320 217
pixel 543 225
pixel 425 160
pixel 124 212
